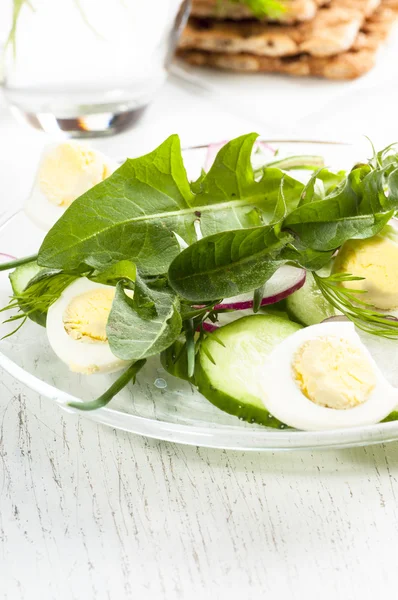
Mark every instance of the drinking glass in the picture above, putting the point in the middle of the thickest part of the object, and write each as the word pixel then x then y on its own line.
pixel 89 67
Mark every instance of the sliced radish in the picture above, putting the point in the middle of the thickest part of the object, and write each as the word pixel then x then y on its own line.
pixel 209 327
pixel 283 283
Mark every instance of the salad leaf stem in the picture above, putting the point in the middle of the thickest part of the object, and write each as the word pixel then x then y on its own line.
pixel 257 298
pixel 190 345
pixel 12 264
pixel 129 375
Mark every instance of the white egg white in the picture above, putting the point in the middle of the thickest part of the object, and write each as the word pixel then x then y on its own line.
pixel 81 356
pixel 284 400
pixel 38 207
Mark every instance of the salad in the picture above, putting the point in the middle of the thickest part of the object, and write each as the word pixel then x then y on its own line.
pixel 270 284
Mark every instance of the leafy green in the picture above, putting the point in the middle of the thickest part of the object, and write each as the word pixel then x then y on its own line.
pixel 227 264
pixel 144 325
pixel 123 270
pixel 138 211
pixel 344 214
pixel 129 216
pixel 306 258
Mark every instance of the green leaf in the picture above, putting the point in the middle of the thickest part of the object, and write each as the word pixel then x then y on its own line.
pixel 311 260
pixel 143 211
pixel 143 300
pixel 280 210
pixel 309 193
pixel 344 214
pixel 131 336
pixel 231 177
pixel 131 215
pixel 227 264
pixel 125 269
pixel 330 179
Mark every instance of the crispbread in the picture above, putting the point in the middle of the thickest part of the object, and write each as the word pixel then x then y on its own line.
pixel 333 30
pixel 295 10
pixel 348 65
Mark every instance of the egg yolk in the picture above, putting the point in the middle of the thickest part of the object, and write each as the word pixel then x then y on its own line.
pixel 333 373
pixel 69 171
pixel 376 260
pixel 86 316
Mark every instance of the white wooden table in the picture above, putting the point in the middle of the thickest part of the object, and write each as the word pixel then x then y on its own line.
pixel 91 513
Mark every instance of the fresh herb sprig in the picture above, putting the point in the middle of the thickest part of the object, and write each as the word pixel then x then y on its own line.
pixel 121 382
pixel 350 302
pixel 36 299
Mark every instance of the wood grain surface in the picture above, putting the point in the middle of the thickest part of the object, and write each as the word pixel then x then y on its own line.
pixel 88 512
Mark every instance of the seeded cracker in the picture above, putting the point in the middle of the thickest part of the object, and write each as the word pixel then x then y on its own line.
pixel 352 63
pixel 295 10
pixel 332 31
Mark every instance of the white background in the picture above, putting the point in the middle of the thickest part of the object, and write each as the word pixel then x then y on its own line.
pixel 91 513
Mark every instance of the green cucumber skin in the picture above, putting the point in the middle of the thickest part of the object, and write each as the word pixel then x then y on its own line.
pixel 232 406
pixel 222 383
pixel 308 306
pixel 19 279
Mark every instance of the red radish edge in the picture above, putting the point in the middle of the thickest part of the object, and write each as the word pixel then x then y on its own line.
pixel 265 301
pixel 266 146
pixel 209 327
pixel 212 151
pixel 5 257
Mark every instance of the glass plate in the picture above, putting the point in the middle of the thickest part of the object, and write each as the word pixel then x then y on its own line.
pixel 159 405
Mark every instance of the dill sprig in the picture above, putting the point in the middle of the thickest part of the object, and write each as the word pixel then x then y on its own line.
pixel 349 303
pixel 36 299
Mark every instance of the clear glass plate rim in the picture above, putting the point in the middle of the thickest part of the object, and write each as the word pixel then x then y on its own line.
pixel 217 436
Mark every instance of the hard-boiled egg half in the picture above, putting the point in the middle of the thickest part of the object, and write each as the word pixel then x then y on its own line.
pixel 323 377
pixel 76 328
pixel 65 172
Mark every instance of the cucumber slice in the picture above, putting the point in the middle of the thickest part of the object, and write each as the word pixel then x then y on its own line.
pixel 230 361
pixel 20 278
pixel 308 306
